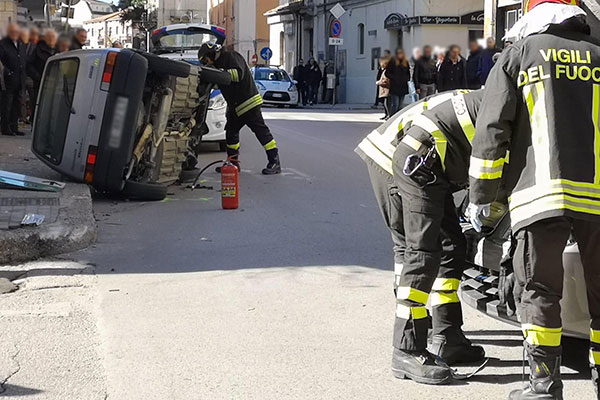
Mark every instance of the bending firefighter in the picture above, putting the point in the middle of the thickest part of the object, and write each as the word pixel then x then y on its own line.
pixel 542 103
pixel 416 161
pixel 244 102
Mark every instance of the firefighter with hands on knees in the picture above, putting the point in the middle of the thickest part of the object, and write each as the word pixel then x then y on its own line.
pixel 538 133
pixel 416 161
pixel 243 104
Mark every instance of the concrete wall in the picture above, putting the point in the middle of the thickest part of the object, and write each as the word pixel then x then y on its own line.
pixel 245 27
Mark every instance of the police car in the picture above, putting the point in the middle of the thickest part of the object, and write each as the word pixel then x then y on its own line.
pixel 275 86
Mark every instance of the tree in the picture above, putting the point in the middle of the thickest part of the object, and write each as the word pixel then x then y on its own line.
pixel 138 13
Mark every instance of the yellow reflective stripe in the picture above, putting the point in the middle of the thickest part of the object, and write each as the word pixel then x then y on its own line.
pixel 384 145
pixel 439 99
pixel 540 137
pixel 596 119
pixel 412 142
pixel 406 312
pixel 440 298
pixel 555 186
pixel 249 104
pixel 462 115
pixel 560 201
pixel 233 146
pixel 595 336
pixel 446 284
pixel 441 144
pixel 487 169
pixel 594 357
pixel 398 268
pixel 540 336
pixel 408 293
pixel 271 145
pixel 405 117
pixel 376 155
pixel 235 76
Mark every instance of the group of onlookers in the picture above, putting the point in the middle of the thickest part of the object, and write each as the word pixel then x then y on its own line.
pixel 310 78
pixel 23 56
pixel 432 72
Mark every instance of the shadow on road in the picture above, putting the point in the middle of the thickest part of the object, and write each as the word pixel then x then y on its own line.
pixel 18 391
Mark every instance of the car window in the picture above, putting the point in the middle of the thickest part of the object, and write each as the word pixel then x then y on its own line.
pixel 186 39
pixel 54 110
pixel 274 75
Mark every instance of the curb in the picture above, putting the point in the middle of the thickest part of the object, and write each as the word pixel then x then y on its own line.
pixel 74 229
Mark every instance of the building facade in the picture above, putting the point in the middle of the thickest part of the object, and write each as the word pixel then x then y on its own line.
pixel 84 10
pixel 105 30
pixel 302 28
pixel 179 11
pixel 245 23
pixel 8 12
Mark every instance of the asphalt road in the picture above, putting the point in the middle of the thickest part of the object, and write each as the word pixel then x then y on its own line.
pixel 288 297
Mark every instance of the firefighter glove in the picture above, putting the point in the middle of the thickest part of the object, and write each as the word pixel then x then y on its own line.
pixel 475 213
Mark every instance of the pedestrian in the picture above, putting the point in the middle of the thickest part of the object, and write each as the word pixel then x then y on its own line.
pixel 417 53
pixel 117 44
pixel 299 75
pixel 473 81
pixel 34 35
pixel 45 49
pixel 327 92
pixel 313 80
pixel 486 62
pixel 12 56
pixel 79 39
pixel 398 72
pixel 426 74
pixel 383 85
pixel 243 104
pixel 546 123
pixel 387 55
pixel 63 44
pixel 453 71
pixel 414 178
pixel 27 103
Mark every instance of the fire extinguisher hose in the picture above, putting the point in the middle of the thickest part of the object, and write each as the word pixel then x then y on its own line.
pixel 195 183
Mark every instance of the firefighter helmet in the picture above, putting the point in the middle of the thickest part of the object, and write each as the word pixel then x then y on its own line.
pixel 208 50
pixel 528 5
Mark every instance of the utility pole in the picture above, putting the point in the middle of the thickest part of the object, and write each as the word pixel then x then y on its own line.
pixel 68 13
pixel 490 9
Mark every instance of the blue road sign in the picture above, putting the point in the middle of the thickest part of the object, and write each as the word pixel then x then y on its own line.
pixel 336 28
pixel 266 53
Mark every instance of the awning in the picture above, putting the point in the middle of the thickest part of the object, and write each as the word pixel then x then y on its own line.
pixel 397 21
pixel 288 8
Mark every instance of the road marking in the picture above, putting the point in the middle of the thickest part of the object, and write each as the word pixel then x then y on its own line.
pixel 323 116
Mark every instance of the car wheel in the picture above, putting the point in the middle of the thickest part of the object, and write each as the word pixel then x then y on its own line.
pixel 222 146
pixel 164 66
pixel 145 191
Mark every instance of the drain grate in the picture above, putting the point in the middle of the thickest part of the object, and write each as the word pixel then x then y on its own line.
pixel 30 201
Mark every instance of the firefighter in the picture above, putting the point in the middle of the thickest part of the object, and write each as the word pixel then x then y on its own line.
pixel 243 104
pixel 416 161
pixel 538 133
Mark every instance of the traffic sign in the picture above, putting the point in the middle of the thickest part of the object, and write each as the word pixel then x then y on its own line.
pixel 336 28
pixel 337 10
pixel 266 53
pixel 336 41
pixel 254 60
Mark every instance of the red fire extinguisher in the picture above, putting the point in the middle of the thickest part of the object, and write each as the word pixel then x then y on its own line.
pixel 230 186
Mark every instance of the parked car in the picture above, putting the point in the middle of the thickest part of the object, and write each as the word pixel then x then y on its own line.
pixel 181 42
pixel 275 86
pixel 488 283
pixel 121 120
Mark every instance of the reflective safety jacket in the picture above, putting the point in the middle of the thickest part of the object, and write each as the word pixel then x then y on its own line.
pixel 242 95
pixel 448 117
pixel 542 103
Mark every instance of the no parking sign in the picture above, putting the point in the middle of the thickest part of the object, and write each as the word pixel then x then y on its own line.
pixel 336 28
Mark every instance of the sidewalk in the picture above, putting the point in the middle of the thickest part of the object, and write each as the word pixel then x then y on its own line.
pixel 342 107
pixel 69 222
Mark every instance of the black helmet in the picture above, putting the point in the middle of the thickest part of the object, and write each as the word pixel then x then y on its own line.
pixel 208 50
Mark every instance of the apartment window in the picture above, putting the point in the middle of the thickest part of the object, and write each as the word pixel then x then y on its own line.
pixel 117 30
pixel 361 39
pixel 512 17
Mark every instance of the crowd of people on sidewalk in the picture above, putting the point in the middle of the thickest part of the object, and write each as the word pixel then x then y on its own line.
pixel 430 71
pixel 23 55
pixel 311 78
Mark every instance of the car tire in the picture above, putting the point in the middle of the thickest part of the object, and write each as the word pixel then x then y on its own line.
pixel 222 146
pixel 145 191
pixel 164 66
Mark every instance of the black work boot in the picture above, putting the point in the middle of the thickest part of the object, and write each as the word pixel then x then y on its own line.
pixel 596 380
pixel 457 349
pixel 420 366
pixel 274 166
pixel 544 380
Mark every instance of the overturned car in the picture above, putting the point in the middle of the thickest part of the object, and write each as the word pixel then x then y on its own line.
pixel 121 120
